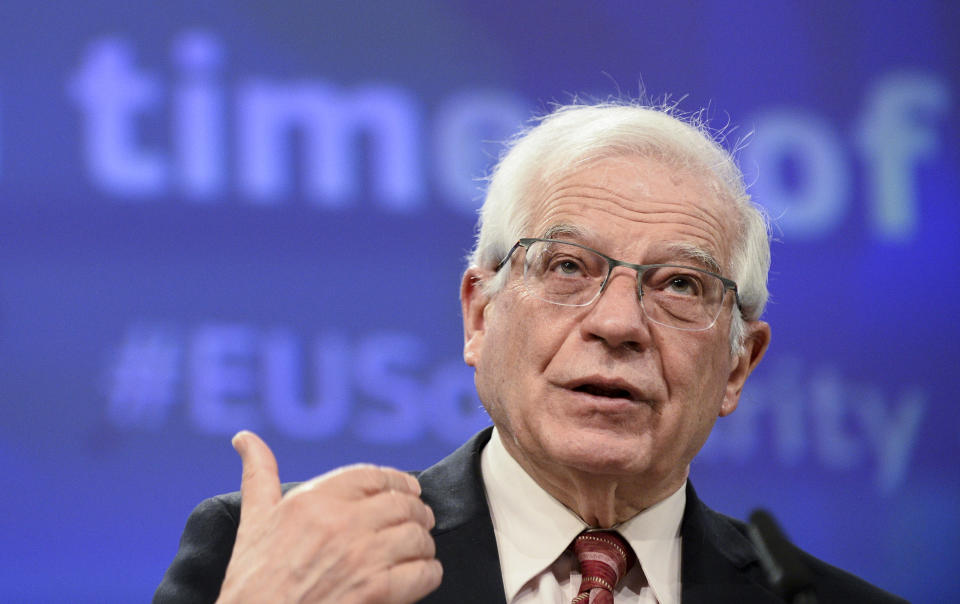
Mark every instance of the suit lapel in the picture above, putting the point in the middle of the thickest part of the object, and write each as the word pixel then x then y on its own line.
pixel 466 545
pixel 719 565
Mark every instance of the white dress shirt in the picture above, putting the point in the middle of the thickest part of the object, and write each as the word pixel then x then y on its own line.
pixel 534 530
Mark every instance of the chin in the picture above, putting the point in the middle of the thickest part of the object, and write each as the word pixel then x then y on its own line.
pixel 614 456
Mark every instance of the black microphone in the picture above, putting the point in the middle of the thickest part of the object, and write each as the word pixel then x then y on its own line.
pixel 787 573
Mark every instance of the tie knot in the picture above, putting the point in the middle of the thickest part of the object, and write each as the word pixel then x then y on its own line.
pixel 604 559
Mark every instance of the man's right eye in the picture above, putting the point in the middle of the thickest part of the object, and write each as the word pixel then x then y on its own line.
pixel 568 267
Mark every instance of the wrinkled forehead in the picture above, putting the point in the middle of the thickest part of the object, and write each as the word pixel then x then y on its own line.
pixel 633 205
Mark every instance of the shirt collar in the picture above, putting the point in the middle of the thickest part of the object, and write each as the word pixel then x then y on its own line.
pixel 654 535
pixel 533 528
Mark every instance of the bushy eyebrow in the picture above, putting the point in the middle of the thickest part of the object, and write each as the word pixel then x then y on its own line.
pixel 565 230
pixel 694 253
pixel 678 251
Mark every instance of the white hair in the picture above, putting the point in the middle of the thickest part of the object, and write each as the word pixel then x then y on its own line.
pixel 573 136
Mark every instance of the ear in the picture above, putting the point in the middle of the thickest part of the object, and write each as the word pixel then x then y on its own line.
pixel 473 303
pixel 755 344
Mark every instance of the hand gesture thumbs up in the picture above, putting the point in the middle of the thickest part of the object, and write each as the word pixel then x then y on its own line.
pixel 356 534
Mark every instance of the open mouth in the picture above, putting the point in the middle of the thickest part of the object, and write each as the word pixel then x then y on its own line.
pixel 608 392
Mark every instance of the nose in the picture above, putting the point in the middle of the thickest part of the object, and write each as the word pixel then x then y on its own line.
pixel 617 318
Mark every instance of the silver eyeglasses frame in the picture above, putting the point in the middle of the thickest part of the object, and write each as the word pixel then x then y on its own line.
pixel 612 263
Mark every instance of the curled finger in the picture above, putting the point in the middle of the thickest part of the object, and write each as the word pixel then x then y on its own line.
pixel 402 542
pixel 390 508
pixel 361 480
pixel 405 582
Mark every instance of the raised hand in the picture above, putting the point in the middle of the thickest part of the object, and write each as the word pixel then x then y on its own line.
pixel 358 534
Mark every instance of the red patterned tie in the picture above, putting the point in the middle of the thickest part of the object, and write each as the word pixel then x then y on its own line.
pixel 604 559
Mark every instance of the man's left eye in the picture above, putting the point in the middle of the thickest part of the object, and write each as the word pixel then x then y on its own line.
pixel 683 285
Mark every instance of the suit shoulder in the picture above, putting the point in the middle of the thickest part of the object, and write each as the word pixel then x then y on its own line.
pixel 832 584
pixel 197 570
pixel 207 541
pixel 837 585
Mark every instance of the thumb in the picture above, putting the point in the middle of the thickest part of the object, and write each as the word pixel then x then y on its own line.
pixel 260 484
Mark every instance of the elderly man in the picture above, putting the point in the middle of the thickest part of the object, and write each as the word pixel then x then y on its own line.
pixel 611 311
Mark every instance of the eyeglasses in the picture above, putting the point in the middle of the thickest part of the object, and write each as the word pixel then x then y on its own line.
pixel 672 295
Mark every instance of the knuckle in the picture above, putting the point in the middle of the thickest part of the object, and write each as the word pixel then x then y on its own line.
pixel 404 582
pixel 389 508
pixel 396 500
pixel 394 507
pixel 412 508
pixel 430 574
pixel 368 478
pixel 419 540
pixel 376 588
pixel 429 545
pixel 343 478
pixel 409 532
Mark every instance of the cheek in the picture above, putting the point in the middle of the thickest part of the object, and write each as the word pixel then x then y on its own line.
pixel 696 390
pixel 527 332
pixel 695 368
pixel 523 337
pixel 505 336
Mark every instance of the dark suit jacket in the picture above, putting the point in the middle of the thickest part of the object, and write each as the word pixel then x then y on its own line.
pixel 719 564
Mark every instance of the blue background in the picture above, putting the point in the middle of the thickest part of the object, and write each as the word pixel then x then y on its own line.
pixel 181 255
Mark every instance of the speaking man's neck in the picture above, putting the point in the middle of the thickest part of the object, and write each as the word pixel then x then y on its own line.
pixel 600 500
